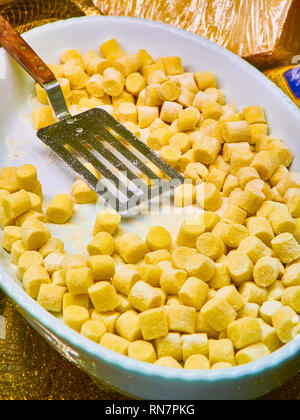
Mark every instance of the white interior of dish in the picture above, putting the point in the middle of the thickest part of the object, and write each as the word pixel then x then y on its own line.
pixel 241 84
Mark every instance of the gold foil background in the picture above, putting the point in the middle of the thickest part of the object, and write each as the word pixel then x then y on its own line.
pixel 29 368
pixel 264 32
pixel 27 14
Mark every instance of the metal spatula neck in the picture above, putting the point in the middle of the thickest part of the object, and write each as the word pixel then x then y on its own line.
pixel 57 100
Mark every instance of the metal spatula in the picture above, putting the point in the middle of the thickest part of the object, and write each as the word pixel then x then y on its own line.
pixel 94 137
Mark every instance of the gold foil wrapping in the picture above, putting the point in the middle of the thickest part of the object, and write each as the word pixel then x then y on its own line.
pixel 31 370
pixel 264 32
pixel 27 14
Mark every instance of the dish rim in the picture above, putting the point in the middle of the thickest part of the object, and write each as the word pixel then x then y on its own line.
pixel 93 350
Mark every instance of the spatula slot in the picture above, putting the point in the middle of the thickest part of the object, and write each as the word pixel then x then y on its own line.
pixel 95 137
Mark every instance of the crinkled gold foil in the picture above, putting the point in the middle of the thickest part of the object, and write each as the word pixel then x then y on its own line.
pixel 262 31
pixel 27 14
pixel 31 370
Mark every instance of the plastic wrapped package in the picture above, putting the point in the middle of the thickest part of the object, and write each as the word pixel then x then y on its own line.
pixel 265 32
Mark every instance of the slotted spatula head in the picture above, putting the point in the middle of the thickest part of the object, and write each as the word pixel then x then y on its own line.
pixel 97 138
pixel 94 137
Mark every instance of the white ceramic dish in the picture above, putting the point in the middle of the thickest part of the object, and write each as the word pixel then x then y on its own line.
pixel 243 85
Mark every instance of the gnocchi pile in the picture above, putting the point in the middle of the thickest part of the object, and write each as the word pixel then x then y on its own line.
pixel 226 290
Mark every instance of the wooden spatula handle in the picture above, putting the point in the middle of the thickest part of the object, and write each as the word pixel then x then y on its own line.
pixel 23 53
